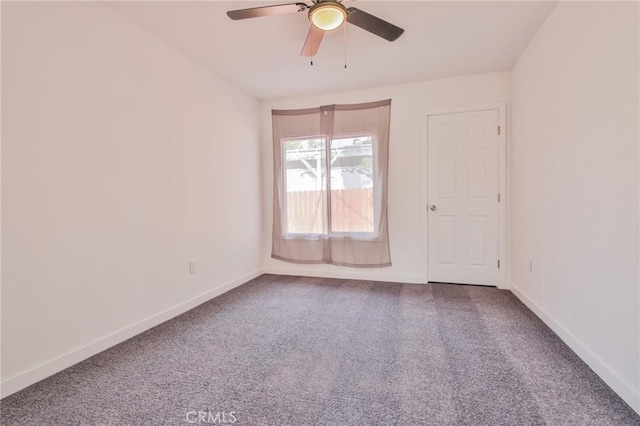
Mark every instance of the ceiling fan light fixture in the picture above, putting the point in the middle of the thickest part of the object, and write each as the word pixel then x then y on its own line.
pixel 328 16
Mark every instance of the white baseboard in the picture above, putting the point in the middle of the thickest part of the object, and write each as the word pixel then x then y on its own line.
pixel 42 371
pixel 619 385
pixel 369 274
pixel 20 381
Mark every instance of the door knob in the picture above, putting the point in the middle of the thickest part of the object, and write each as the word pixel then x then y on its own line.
pixel 433 208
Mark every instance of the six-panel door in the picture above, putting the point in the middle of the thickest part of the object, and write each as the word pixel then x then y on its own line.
pixel 463 185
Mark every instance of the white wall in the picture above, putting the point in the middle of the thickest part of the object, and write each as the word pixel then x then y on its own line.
pixel 122 159
pixel 407 209
pixel 575 184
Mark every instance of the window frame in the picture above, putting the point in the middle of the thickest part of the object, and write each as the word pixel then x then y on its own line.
pixel 377 192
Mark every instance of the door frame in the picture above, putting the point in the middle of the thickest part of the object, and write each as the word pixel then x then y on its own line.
pixel 502 184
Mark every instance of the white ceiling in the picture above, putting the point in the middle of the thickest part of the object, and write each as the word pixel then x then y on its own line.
pixel 262 55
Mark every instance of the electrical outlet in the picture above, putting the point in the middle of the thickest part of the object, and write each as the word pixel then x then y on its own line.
pixel 192 266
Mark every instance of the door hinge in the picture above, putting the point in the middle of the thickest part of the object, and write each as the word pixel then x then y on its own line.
pixel 498 264
pixel 498 130
pixel 498 197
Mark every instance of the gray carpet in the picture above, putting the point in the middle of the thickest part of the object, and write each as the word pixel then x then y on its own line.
pixel 312 351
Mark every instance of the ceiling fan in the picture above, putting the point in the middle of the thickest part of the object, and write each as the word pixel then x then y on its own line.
pixel 325 15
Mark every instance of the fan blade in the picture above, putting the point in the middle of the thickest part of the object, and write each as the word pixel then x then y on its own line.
pixel 373 24
pixel 312 43
pixel 256 12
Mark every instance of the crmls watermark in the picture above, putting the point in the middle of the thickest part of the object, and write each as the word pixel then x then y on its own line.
pixel 212 417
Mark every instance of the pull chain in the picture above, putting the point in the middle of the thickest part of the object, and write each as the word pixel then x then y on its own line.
pixel 312 55
pixel 345 45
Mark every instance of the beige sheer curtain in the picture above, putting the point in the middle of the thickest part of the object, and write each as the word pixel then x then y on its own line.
pixel 330 185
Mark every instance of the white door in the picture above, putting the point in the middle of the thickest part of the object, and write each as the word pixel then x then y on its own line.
pixel 463 194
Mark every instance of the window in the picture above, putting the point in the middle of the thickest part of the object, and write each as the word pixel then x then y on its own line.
pixel 349 191
pixel 305 185
pixel 330 185
pixel 352 193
